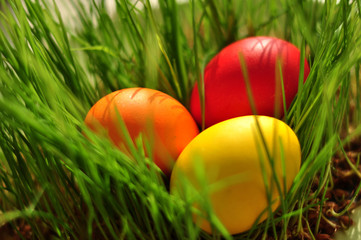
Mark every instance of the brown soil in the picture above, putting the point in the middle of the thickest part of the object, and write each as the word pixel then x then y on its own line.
pixel 341 198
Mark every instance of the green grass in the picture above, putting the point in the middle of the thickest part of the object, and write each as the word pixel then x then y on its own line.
pixel 54 178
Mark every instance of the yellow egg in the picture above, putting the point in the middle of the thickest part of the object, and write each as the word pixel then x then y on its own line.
pixel 235 158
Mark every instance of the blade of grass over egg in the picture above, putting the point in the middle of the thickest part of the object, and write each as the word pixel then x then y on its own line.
pixel 262 142
pixel 279 91
pixel 247 83
pixel 285 206
pixel 261 148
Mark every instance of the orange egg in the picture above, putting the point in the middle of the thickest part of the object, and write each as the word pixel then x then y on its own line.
pixel 163 121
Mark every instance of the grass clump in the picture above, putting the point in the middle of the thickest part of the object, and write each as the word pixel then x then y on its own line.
pixel 63 185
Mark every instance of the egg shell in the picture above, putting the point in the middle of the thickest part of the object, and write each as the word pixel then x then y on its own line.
pixel 230 154
pixel 164 122
pixel 224 85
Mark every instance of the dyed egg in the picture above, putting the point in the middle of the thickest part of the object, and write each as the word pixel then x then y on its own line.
pixel 164 122
pixel 229 160
pixel 224 85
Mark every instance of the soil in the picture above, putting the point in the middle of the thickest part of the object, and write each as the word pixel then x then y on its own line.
pixel 341 198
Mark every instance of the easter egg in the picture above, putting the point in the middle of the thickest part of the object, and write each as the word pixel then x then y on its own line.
pixel 232 161
pixel 163 122
pixel 225 87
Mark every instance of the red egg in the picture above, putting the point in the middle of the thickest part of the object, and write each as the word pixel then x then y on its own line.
pixel 225 87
